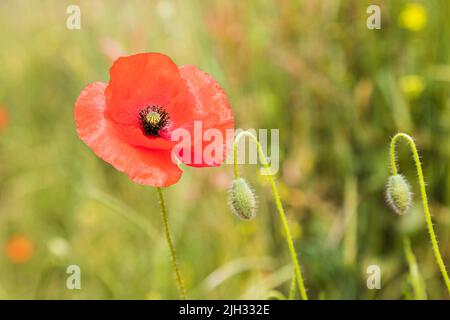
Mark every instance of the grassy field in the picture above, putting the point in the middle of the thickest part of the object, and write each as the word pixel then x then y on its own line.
pixel 337 92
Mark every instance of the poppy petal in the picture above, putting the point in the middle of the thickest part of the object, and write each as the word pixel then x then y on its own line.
pixel 212 108
pixel 135 137
pixel 140 80
pixel 144 166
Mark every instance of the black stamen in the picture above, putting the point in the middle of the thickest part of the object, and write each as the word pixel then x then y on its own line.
pixel 153 119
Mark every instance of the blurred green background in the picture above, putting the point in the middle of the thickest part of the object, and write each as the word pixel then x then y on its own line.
pixel 336 90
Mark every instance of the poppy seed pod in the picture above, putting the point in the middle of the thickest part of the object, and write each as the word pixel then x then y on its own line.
pixel 242 199
pixel 398 194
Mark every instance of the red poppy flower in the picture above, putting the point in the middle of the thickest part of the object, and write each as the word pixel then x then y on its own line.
pixel 129 122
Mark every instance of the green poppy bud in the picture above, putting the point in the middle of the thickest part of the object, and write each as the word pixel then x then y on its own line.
pixel 398 194
pixel 242 199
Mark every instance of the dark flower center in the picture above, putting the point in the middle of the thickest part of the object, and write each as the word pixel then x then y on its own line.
pixel 153 119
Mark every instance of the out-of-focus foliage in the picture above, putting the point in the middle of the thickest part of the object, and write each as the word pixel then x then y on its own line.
pixel 336 90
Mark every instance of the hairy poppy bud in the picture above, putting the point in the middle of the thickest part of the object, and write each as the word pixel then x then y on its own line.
pixel 242 199
pixel 398 194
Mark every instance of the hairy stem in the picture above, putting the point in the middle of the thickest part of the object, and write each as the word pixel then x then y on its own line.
pixel 265 164
pixel 292 287
pixel 170 245
pixel 423 194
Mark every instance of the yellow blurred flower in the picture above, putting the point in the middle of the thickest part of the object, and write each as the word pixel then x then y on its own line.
pixel 413 17
pixel 412 86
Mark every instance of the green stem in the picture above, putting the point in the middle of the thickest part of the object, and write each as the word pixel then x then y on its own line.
pixel 265 164
pixel 292 288
pixel 416 279
pixel 170 245
pixel 423 193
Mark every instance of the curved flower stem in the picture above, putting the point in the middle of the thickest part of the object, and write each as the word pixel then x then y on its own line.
pixel 279 206
pixel 170 245
pixel 423 193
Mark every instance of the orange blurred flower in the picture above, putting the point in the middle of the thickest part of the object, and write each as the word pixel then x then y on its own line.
pixel 3 118
pixel 19 249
